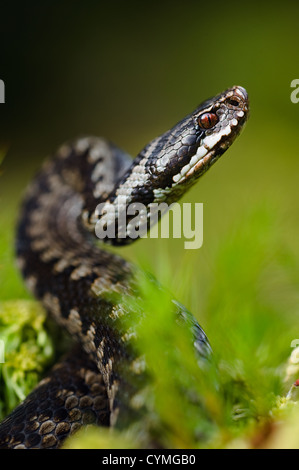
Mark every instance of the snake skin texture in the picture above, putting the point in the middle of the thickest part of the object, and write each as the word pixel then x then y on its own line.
pixel 81 284
pixel 46 417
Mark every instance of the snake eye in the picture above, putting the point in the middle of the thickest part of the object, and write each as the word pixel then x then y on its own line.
pixel 208 120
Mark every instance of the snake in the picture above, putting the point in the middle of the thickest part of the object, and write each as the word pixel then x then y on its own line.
pixel 88 184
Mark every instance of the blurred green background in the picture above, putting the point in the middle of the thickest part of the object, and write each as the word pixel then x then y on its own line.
pixel 129 71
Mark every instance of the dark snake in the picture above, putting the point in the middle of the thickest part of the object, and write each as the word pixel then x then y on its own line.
pixel 75 279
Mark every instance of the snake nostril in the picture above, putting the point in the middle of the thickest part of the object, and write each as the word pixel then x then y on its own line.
pixel 233 102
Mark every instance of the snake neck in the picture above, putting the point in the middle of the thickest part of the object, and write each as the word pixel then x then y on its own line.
pixel 166 168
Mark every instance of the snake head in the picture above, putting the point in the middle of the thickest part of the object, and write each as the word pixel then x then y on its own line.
pixel 196 142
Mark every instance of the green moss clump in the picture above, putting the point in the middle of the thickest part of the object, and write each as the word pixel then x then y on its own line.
pixel 25 350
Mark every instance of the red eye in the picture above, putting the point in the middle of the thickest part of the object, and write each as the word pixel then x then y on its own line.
pixel 208 120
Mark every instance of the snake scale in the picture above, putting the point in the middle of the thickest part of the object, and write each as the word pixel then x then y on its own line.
pixel 75 278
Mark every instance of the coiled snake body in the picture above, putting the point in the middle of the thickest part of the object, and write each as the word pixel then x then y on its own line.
pixel 74 278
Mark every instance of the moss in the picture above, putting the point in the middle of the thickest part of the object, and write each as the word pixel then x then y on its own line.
pixel 26 350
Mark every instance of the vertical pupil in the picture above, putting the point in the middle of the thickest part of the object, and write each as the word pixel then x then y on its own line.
pixel 208 120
